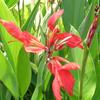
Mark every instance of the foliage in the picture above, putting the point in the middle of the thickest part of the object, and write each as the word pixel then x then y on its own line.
pixel 24 73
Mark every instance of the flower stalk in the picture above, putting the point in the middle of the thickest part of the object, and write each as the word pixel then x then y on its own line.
pixel 85 57
pixel 87 44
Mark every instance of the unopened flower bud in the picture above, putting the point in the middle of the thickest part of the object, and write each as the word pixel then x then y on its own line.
pixel 93 27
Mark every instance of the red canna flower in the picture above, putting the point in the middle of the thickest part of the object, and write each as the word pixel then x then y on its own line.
pixel 62 76
pixel 55 41
pixel 65 38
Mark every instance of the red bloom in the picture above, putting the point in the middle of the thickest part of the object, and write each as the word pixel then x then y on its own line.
pixel 62 76
pixel 68 38
pixel 31 44
pixel 55 41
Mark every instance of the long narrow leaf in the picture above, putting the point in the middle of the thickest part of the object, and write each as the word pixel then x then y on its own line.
pixel 8 76
pixel 23 72
pixel 30 22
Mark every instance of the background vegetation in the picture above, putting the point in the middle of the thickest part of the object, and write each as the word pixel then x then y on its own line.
pixel 24 75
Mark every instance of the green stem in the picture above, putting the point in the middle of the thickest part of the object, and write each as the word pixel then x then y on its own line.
pixel 21 98
pixel 85 56
pixel 23 10
pixel 19 13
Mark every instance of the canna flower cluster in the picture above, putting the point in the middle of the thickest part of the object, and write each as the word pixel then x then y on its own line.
pixel 55 41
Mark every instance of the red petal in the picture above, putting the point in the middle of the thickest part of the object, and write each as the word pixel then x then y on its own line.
pixel 33 49
pixel 63 35
pixel 50 66
pixel 66 81
pixel 56 89
pixel 52 39
pixel 24 37
pixel 54 65
pixel 52 20
pixel 74 41
pixel 70 39
pixel 31 40
pixel 11 28
pixel 71 66
pixel 60 59
pixel 80 46
pixel 59 47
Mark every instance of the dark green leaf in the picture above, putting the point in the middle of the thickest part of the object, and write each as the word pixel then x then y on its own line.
pixel 4 93
pixel 73 13
pixel 84 27
pixel 11 3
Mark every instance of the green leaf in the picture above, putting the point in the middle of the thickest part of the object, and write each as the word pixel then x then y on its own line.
pixel 89 83
pixel 73 13
pixel 47 76
pixel 94 46
pixel 11 3
pixel 97 67
pixel 8 76
pixel 30 21
pixel 34 67
pixel 97 63
pixel 23 72
pixel 37 95
pixel 84 26
pixel 4 93
pixel 41 68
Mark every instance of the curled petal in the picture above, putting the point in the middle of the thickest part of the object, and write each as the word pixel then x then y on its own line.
pixel 66 81
pixel 71 66
pixel 56 88
pixel 52 20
